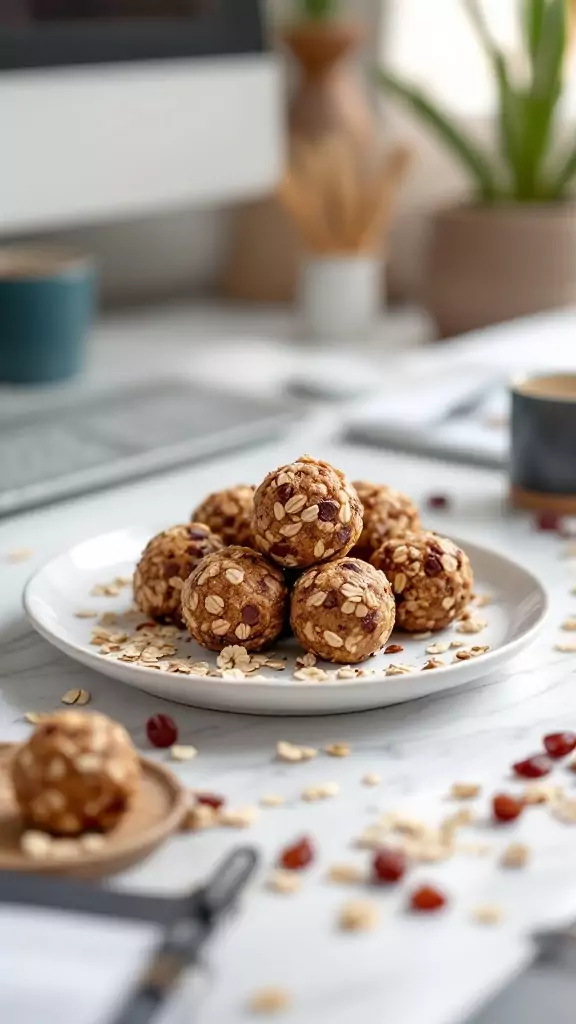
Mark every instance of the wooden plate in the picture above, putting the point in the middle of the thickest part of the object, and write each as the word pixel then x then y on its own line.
pixel 156 814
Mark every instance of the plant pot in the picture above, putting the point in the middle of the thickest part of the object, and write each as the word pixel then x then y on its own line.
pixel 340 298
pixel 486 264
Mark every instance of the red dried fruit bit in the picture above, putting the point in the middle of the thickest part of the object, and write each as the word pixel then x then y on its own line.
pixel 427 899
pixel 533 767
pixel 548 521
pixel 560 744
pixel 150 624
pixel 506 807
pixel 298 856
pixel 438 501
pixel 161 730
pixel 393 649
pixel 211 799
pixel 389 865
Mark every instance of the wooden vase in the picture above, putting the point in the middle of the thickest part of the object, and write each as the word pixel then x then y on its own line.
pixel 329 99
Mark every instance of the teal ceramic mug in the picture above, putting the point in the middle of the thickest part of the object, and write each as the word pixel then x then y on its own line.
pixel 47 302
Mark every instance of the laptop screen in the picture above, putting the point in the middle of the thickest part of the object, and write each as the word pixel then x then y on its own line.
pixel 48 33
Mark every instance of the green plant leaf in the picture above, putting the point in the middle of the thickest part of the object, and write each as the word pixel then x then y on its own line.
pixel 532 16
pixel 564 176
pixel 549 57
pixel 318 8
pixel 456 139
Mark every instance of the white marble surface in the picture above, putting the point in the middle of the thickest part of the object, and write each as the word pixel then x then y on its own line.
pixel 410 971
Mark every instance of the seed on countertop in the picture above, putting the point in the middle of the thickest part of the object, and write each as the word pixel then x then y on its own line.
pixel 269 1000
pixel 358 916
pixel 183 753
pixel 75 697
pixel 515 856
pixel 346 874
pixel 488 913
pixel 371 779
pixel 285 882
pixel 465 790
pixel 338 750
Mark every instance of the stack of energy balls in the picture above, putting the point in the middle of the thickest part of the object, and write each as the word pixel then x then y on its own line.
pixel 341 563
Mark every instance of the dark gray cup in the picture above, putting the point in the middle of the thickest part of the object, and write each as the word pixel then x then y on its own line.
pixel 47 300
pixel 543 452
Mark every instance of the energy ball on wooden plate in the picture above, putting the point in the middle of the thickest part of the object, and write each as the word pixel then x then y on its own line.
pixel 343 611
pixel 431 578
pixel 229 514
pixel 306 513
pixel 235 596
pixel 387 513
pixel 78 771
pixel 167 560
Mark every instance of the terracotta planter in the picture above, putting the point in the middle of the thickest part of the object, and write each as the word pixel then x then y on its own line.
pixel 489 264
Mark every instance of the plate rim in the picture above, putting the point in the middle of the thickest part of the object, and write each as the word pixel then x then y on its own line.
pixel 90 658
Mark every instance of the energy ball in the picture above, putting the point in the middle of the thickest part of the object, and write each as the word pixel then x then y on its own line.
pixel 167 560
pixel 387 513
pixel 306 513
pixel 78 771
pixel 235 596
pixel 343 611
pixel 431 578
pixel 229 514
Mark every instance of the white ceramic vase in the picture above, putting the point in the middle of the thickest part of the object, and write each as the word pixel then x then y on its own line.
pixel 340 298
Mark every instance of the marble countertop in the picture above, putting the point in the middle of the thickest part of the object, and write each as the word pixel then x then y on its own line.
pixel 410 971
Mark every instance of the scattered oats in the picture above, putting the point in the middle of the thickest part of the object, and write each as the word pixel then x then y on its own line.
pixel 450 825
pixel 372 837
pixel 338 750
pixel 371 779
pixel 515 856
pixel 239 817
pixel 569 625
pixel 269 1000
pixel 471 626
pixel 565 648
pixel 233 673
pixel 437 648
pixel 456 643
pixel 286 751
pixel 475 849
pixel 182 753
pixel 461 656
pixel 476 652
pixel 346 672
pixel 311 675
pixel 200 817
pixel 307 660
pixel 19 555
pixel 85 613
pixel 105 590
pixel 422 636
pixel 482 600
pixel 35 844
pixel 108 619
pixel 346 874
pixel 565 810
pixel 278 666
pixel 75 697
pixel 272 800
pixel 286 882
pixel 320 792
pixel 34 717
pixel 465 790
pixel 399 670
pixel 542 793
pixel 490 914
pixel 433 663
pixel 358 916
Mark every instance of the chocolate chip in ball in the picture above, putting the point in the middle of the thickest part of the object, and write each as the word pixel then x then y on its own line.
pixel 343 535
pixel 369 622
pixel 432 565
pixel 327 511
pixel 281 550
pixel 284 492
pixel 250 615
pixel 197 533
pixel 352 566
pixel 331 599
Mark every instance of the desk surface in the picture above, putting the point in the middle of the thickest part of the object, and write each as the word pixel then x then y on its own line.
pixel 419 748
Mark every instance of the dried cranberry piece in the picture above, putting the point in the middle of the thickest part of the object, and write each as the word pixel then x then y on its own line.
pixel 506 807
pixel 284 493
pixel 210 799
pixel 560 744
pixel 343 535
pixel 331 599
pixel 280 550
pixel 389 865
pixel 432 565
pixel 327 511
pixel 548 521
pixel 352 566
pixel 250 614
pixel 533 767
pixel 298 856
pixel 161 730
pixel 393 649
pixel 438 501
pixel 428 899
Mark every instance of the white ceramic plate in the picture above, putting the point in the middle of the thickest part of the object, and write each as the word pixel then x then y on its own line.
pixel 63 586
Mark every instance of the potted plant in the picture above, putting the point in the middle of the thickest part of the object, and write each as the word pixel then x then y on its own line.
pixel 511 249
